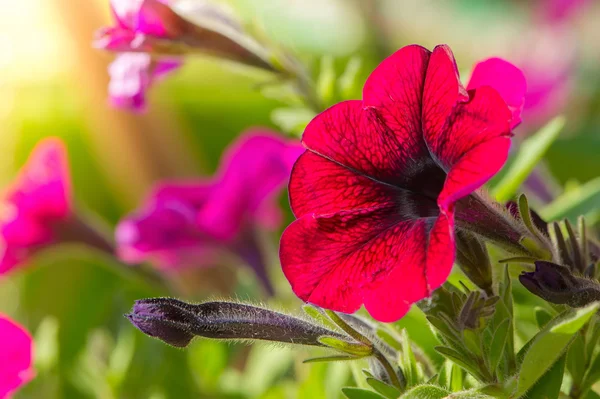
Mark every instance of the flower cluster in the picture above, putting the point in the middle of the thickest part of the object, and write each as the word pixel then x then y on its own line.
pixel 199 222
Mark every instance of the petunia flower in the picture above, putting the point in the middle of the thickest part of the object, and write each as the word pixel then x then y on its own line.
pixel 161 32
pixel 132 74
pixel 36 205
pixel 385 180
pixel 38 211
pixel 16 353
pixel 199 223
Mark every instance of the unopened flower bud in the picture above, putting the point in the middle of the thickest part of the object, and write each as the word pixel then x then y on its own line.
pixel 473 259
pixel 176 322
pixel 557 284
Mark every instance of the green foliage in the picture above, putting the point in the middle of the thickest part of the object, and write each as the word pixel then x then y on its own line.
pixel 550 344
pixel 530 153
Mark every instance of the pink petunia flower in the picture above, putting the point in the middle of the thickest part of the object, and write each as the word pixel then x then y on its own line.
pixel 37 204
pixel 16 356
pixel 132 74
pixel 377 191
pixel 198 223
pixel 138 24
pixel 154 37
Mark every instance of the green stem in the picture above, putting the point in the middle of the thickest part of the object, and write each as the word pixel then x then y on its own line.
pixel 377 354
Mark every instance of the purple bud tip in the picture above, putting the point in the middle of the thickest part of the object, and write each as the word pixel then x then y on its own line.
pixel 163 318
pixel 557 284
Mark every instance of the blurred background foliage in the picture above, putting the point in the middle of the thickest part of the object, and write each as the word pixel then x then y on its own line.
pixel 52 82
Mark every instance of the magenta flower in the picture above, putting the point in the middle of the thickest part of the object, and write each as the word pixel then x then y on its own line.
pixel 138 24
pixel 36 205
pixel 16 353
pixel 547 85
pixel 132 74
pixel 377 191
pixel 198 223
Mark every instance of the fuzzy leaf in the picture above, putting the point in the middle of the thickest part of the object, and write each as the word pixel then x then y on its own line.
pixel 574 323
pixel 498 344
pixel 542 316
pixel 546 347
pixel 381 387
pixel 329 359
pixel 459 360
pixel 548 387
pixel 530 153
pixel 350 348
pixel 408 361
pixel 425 392
pixel 358 393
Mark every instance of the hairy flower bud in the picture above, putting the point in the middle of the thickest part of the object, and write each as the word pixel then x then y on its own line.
pixel 473 259
pixel 557 284
pixel 176 322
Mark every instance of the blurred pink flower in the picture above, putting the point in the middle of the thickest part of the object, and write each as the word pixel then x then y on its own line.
pixel 38 201
pixel 553 11
pixel 16 353
pixel 137 24
pixel 197 223
pixel 546 60
pixel 506 79
pixel 132 74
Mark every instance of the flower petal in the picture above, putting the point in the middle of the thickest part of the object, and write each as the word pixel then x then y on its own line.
pixel 430 255
pixel 319 185
pixel 42 189
pixel 165 226
pixel 16 352
pixel 475 145
pixel 145 16
pixel 395 89
pixel 342 260
pixel 250 177
pixel 506 79
pixel 357 138
pixel 442 92
pixel 467 133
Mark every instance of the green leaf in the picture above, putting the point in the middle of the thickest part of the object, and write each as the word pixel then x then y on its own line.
pixel 506 311
pixel 408 361
pixel 322 359
pixel 573 203
pixel 325 85
pixel 576 360
pixel 350 348
pixel 381 387
pixel 546 347
pixel 292 120
pixel 573 323
pixel 459 360
pixel 314 313
pixel 548 387
pixel 444 329
pixel 46 344
pixel 457 378
pixel 347 82
pixel 542 316
pixel 358 393
pixel 498 344
pixel 530 153
pixel 425 392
